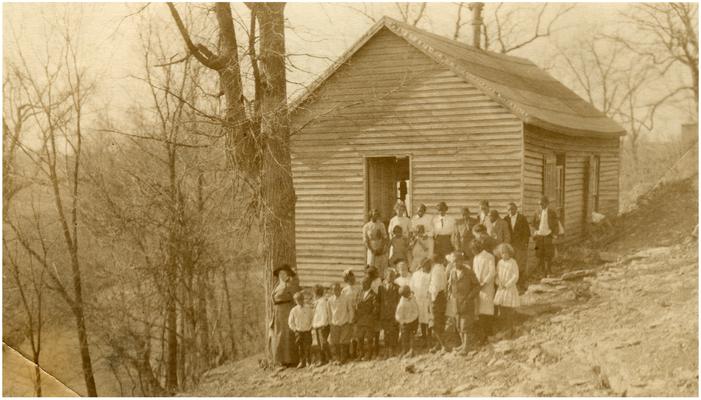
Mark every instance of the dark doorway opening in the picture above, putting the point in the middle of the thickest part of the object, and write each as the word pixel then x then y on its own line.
pixel 387 180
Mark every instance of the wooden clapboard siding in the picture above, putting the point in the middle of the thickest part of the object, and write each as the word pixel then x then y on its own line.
pixel 577 150
pixel 390 99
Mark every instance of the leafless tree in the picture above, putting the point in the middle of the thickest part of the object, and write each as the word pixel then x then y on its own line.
pixel 57 93
pixel 28 280
pixel 169 243
pixel 411 13
pixel 664 35
pixel 612 79
pixel 508 27
pixel 258 141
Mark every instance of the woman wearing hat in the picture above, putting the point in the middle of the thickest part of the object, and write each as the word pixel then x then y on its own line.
pixel 444 229
pixel 282 344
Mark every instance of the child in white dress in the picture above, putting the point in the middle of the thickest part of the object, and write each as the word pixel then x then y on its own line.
pixel 420 281
pixel 506 298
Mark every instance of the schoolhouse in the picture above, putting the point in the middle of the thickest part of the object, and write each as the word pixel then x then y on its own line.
pixel 407 114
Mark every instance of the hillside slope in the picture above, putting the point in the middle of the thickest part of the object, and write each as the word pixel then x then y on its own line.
pixel 630 328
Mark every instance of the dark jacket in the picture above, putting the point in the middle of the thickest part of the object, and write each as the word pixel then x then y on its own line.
pixel 388 298
pixel 464 236
pixel 520 233
pixel 464 290
pixel 501 232
pixel 368 310
pixel 553 221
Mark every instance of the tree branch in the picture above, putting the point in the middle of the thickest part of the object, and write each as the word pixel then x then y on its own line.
pixel 200 51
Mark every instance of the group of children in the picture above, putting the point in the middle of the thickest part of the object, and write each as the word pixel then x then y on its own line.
pixel 444 296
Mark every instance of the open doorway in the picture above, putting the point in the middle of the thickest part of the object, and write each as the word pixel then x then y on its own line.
pixel 387 180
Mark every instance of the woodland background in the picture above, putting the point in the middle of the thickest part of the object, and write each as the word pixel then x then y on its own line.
pixel 115 174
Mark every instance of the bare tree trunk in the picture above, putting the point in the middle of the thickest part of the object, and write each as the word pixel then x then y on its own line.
pixel 260 152
pixel 230 314
pixel 84 348
pixel 278 197
pixel 171 344
pixel 37 378
pixel 172 289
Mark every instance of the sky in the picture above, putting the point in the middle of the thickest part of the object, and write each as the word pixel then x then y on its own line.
pixel 317 34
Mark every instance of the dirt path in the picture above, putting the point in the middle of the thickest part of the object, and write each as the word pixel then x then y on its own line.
pixel 630 330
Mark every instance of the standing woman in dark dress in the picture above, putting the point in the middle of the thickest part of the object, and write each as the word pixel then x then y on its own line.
pixel 282 339
pixel 444 232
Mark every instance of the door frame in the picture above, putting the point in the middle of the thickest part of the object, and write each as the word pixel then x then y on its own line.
pixel 366 181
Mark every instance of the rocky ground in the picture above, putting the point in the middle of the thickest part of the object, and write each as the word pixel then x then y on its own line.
pixel 626 327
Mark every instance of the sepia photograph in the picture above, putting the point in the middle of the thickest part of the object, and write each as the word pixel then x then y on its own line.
pixel 361 199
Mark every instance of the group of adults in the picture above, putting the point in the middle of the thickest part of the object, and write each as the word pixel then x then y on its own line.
pixel 442 234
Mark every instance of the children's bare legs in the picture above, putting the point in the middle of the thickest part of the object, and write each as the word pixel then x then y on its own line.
pixel 507 320
pixel 464 337
pixel 308 352
pixel 439 337
pixel 404 339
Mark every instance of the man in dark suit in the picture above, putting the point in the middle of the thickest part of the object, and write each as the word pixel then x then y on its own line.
pixel 463 237
pixel 520 235
pixel 546 225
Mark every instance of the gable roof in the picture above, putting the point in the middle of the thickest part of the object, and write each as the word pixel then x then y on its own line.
pixel 516 83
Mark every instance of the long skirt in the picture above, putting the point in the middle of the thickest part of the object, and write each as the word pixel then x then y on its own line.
pixel 283 345
pixel 544 248
pixel 377 261
pixel 443 245
pixel 438 311
pixel 418 253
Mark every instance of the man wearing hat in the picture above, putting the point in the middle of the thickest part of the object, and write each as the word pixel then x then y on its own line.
pixel 444 230
pixel 546 224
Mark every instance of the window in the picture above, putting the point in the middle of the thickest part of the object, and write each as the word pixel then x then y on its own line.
pixel 560 182
pixel 596 172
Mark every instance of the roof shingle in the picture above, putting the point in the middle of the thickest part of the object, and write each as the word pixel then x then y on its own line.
pixel 517 83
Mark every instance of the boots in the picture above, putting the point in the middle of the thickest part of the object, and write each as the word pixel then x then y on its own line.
pixel 323 355
pixel 345 353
